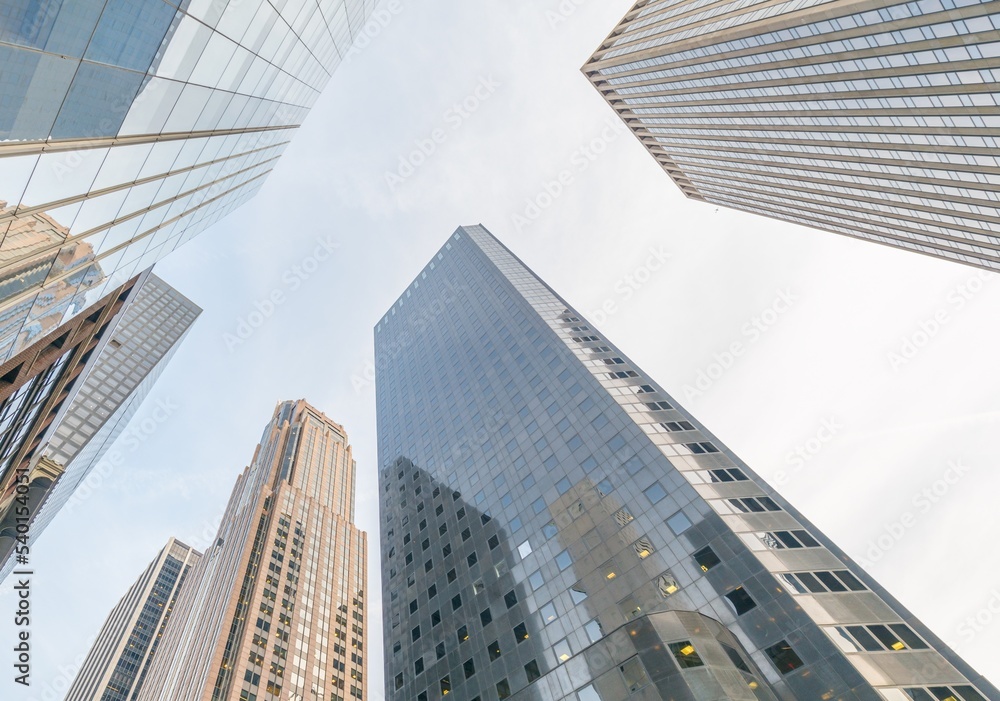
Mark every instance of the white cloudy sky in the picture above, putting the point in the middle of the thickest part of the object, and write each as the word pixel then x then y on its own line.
pixel 824 361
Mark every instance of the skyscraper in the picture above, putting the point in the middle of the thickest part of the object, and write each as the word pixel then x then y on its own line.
pixel 36 385
pixel 126 129
pixel 874 120
pixel 556 526
pixel 110 391
pixel 275 608
pixel 116 665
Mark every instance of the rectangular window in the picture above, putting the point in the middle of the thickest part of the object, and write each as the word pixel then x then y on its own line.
pixel 685 654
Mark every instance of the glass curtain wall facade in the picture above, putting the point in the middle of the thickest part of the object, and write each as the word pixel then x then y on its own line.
pixel 116 665
pixel 555 526
pixel 113 387
pixel 36 385
pixel 877 120
pixel 127 127
pixel 275 608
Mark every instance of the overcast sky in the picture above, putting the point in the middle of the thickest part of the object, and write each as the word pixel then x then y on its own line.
pixel 822 397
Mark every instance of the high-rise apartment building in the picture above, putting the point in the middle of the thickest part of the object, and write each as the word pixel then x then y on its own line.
pixel 876 120
pixel 113 387
pixel 556 526
pixel 275 608
pixel 126 129
pixel 116 665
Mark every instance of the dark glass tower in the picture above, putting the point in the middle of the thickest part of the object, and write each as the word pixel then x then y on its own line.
pixel 555 526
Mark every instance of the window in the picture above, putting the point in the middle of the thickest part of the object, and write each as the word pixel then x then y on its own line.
pixel 439 650
pixel 494 649
pixel 536 580
pixel 736 658
pixel 418 666
pixel 700 448
pixel 452 575
pixel 415 633
pixel 398 681
pixel 548 612
pixel 435 618
pixel 510 598
pixel 820 582
pixel 463 634
pixel 643 547
pixel 532 671
pixel 445 685
pixel 741 601
pixel 754 504
pixel 655 492
pixel 732 474
pixel 469 667
pixel 593 629
pixel 485 617
pixel 562 650
pixel 685 654
pixel 679 523
pixel 563 560
pixel 472 559
pixel 588 693
pixel 503 689
pixel 666 584
pixel 494 542
pixel 784 657
pixel 894 637
pixel 657 406
pixel 456 602
pixel 779 540
pixel 634 674
pixel 706 559
pixel 577 593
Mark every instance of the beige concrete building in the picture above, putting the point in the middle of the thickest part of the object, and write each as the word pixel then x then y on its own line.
pixel 275 608
pixel 873 119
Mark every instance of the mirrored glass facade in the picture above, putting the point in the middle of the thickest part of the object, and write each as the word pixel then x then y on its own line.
pixel 110 390
pixel 556 526
pixel 127 127
pixel 877 120
pixel 116 665
pixel 275 608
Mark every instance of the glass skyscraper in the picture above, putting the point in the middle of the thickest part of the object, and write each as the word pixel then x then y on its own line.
pixel 127 127
pixel 275 608
pixel 111 389
pixel 116 665
pixel 877 120
pixel 556 526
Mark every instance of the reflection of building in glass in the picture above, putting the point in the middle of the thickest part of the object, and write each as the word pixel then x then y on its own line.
pixel 136 128
pixel 116 665
pixel 653 560
pixel 876 120
pixel 35 386
pixel 32 250
pixel 275 608
pixel 451 578
pixel 112 389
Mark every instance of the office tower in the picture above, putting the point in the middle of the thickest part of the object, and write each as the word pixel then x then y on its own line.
pixel 875 120
pixel 275 608
pixel 116 665
pixel 125 130
pixel 556 526
pixel 36 385
pixel 134 356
